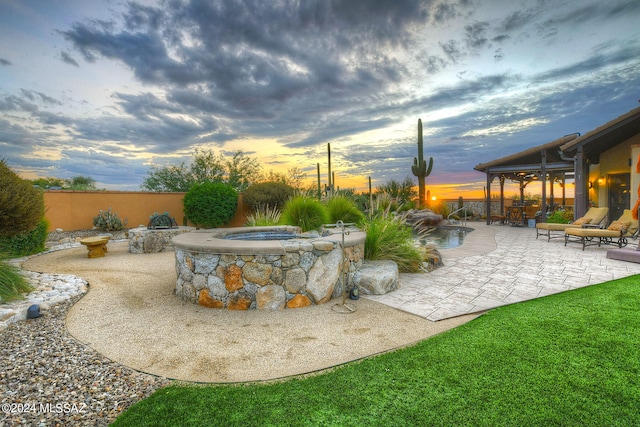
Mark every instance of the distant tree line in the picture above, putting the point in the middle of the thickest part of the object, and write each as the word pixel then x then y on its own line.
pixel 76 183
pixel 238 171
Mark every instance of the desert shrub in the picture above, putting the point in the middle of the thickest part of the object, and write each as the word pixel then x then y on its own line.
pixel 21 205
pixel 440 208
pixel 384 203
pixel 343 208
pixel 28 243
pixel 12 283
pixel 264 217
pixel 271 194
pixel 389 237
pixel 108 221
pixel 210 204
pixel 561 217
pixel 305 212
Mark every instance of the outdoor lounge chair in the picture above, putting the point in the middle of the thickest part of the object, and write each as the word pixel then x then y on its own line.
pixel 612 235
pixel 595 217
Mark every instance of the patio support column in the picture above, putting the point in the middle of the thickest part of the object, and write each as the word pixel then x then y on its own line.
pixel 564 182
pixel 488 201
pixel 581 193
pixel 552 183
pixel 502 179
pixel 543 173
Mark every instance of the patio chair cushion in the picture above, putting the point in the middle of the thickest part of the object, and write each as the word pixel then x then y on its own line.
pixel 597 215
pixel 627 215
pixel 582 221
pixel 592 232
pixel 619 226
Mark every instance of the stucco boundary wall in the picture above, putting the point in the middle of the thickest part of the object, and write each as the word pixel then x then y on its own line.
pixel 75 210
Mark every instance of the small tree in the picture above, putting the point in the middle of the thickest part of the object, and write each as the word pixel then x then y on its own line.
pixel 173 178
pixel 240 171
pixel 294 177
pixel 80 182
pixel 267 194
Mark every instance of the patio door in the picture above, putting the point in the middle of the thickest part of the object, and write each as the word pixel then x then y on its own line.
pixel 619 194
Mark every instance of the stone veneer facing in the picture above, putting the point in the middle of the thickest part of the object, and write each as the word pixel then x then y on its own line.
pixel 148 241
pixel 306 272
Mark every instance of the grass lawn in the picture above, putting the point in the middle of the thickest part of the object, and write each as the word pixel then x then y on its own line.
pixel 571 359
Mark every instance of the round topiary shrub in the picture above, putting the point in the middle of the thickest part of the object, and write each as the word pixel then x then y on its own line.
pixel 305 212
pixel 210 204
pixel 21 205
pixel 267 194
pixel 345 209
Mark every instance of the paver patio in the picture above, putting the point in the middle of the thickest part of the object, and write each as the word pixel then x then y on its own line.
pixel 499 265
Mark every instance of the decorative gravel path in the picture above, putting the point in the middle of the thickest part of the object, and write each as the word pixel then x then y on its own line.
pixel 48 378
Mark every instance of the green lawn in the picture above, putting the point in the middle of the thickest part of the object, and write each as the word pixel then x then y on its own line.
pixel 571 359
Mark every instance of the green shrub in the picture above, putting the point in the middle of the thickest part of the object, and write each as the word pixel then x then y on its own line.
pixel 388 237
pixel 12 283
pixel 267 194
pixel 108 221
pixel 561 217
pixel 31 242
pixel 264 217
pixel 210 204
pixel 21 205
pixel 305 212
pixel 343 208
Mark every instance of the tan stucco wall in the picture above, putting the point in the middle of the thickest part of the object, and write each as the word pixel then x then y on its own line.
pixel 75 210
pixel 613 161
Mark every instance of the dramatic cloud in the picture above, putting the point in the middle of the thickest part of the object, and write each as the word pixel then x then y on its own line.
pixel 152 81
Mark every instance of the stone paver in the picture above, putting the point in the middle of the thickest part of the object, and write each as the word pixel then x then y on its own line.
pixel 499 265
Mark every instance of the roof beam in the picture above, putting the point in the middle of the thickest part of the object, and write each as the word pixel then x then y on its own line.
pixel 558 166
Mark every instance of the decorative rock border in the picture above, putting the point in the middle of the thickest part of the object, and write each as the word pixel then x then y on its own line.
pixel 263 275
pixel 49 289
pixel 143 240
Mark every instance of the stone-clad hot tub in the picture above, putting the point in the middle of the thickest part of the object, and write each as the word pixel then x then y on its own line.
pixel 288 271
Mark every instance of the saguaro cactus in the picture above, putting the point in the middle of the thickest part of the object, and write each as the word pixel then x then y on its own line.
pixel 420 168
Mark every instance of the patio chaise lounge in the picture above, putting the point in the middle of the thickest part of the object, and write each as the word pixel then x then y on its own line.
pixel 595 217
pixel 612 235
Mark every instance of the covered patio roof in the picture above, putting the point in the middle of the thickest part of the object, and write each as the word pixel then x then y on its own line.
pixel 541 163
pixel 586 150
pixel 570 155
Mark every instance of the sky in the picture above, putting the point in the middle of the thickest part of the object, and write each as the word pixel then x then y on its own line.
pixel 108 89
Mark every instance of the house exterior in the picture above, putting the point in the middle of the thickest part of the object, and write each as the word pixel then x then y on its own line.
pixel 604 164
pixel 607 165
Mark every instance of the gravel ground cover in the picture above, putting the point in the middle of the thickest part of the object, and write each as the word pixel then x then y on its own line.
pixel 48 378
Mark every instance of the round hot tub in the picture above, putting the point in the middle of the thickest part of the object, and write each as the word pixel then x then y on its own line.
pixel 265 268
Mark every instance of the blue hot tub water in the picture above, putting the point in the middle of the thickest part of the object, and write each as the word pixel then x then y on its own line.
pixel 262 235
pixel 443 237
